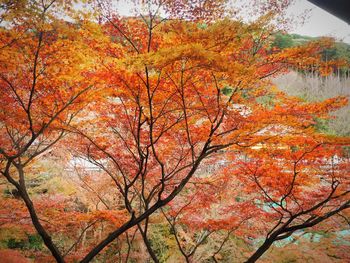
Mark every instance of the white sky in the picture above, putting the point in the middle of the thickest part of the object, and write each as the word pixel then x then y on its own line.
pixel 319 22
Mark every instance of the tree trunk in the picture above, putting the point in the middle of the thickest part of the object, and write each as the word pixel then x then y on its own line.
pixel 261 250
pixel 39 228
pixel 33 215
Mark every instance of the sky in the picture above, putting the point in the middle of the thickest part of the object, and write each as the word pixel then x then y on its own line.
pixel 319 22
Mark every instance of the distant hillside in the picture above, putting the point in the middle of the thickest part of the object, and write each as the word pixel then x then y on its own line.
pixel 312 87
pixel 340 50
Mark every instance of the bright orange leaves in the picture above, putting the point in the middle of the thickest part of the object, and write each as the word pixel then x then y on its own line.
pixel 172 108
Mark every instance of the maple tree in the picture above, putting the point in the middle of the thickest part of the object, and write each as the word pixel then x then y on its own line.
pixel 44 71
pixel 152 103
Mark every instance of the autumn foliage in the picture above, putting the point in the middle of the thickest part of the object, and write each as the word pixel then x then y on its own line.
pixel 160 123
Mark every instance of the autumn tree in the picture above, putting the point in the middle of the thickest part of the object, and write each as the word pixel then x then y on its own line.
pixel 185 91
pixel 180 94
pixel 44 78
